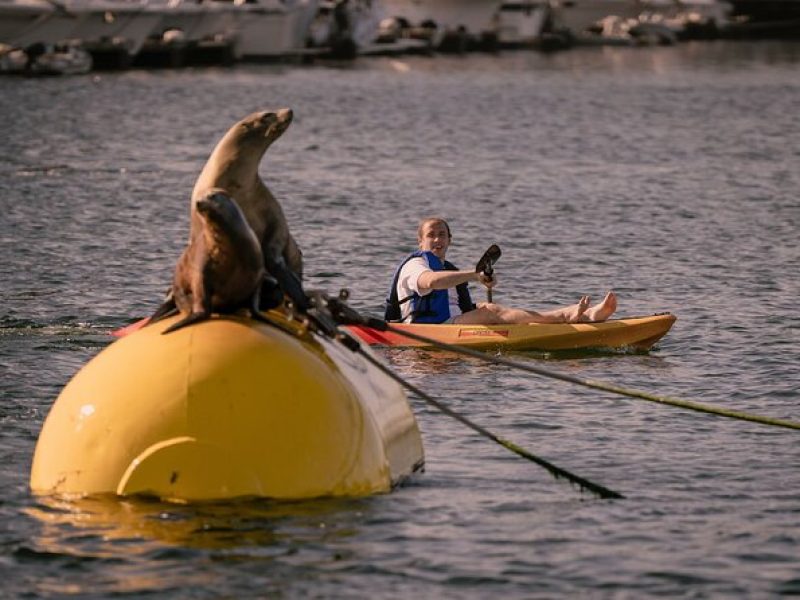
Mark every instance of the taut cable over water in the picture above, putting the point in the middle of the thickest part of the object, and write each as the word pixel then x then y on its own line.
pixel 557 472
pixel 327 313
pixel 346 315
pixel 599 385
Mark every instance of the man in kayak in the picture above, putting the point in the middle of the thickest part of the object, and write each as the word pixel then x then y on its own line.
pixel 419 292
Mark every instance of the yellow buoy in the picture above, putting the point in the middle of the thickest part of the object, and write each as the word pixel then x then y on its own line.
pixel 227 408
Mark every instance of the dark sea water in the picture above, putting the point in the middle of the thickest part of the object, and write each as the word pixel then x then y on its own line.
pixel 671 175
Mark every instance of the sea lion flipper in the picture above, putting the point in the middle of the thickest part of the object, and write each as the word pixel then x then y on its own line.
pixel 190 319
pixel 167 309
pixel 293 256
pixel 270 294
pixel 288 280
pixel 255 312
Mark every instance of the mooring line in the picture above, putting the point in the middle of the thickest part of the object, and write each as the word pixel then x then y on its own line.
pixel 557 472
pixel 598 385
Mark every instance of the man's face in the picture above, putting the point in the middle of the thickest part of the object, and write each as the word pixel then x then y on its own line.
pixel 434 239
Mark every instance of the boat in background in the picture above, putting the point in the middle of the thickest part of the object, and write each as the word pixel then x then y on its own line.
pixel 113 31
pixel 640 333
pixel 688 19
pixel 615 30
pixel 520 23
pixel 63 58
pixel 270 29
pixel 345 28
pixel 202 32
pixel 577 17
pixel 27 22
pixel 449 25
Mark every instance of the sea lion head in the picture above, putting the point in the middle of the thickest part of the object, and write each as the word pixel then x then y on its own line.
pixel 221 214
pixel 218 207
pixel 234 163
pixel 264 127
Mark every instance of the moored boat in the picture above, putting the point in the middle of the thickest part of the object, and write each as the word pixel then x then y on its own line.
pixel 202 32
pixel 227 408
pixel 345 29
pixel 27 22
pixel 65 58
pixel 520 23
pixel 450 24
pixel 578 16
pixel 113 31
pixel 271 29
pixel 640 333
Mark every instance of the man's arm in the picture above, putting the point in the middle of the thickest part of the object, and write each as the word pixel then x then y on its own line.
pixel 442 280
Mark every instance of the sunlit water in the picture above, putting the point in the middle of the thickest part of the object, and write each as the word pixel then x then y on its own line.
pixel 670 175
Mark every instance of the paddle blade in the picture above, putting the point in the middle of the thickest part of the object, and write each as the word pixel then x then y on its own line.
pixel 488 259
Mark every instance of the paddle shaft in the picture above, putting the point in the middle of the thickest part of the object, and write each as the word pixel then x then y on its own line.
pixel 486 265
pixel 488 272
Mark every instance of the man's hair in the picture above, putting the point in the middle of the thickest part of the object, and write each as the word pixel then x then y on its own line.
pixel 432 220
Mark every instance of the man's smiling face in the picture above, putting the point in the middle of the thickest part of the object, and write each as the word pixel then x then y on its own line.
pixel 435 238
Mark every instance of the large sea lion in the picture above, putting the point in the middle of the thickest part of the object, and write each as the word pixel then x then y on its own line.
pixel 233 167
pixel 221 270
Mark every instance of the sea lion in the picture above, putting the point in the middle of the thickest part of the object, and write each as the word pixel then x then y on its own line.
pixel 233 167
pixel 221 270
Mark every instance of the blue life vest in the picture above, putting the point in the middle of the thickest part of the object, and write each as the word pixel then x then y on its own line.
pixel 430 308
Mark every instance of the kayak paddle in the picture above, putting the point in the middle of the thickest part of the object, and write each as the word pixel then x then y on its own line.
pixel 486 265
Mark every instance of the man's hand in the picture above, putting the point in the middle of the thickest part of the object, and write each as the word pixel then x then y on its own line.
pixel 488 280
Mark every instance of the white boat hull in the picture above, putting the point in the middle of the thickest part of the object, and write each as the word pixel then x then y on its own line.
pixel 274 29
pixel 26 22
pixel 521 23
pixel 199 22
pixel 124 23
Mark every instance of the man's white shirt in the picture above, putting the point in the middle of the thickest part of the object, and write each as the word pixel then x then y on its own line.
pixel 407 285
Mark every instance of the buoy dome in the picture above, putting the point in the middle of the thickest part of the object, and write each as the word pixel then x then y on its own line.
pixel 227 408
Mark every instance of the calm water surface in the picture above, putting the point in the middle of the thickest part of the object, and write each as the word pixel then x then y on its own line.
pixel 670 175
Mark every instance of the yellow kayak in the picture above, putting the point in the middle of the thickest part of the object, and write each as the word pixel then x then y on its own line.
pixel 226 408
pixel 634 332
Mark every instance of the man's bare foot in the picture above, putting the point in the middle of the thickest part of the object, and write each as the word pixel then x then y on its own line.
pixel 603 310
pixel 574 313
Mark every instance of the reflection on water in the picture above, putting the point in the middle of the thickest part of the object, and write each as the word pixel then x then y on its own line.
pixel 208 526
pixel 418 360
pixel 139 544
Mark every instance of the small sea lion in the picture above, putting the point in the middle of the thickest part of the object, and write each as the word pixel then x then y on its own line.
pixel 221 270
pixel 233 167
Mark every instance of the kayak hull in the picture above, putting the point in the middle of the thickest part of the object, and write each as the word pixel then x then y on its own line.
pixel 227 408
pixel 640 333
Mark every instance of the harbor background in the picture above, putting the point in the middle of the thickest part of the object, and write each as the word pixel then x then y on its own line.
pixel 669 174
